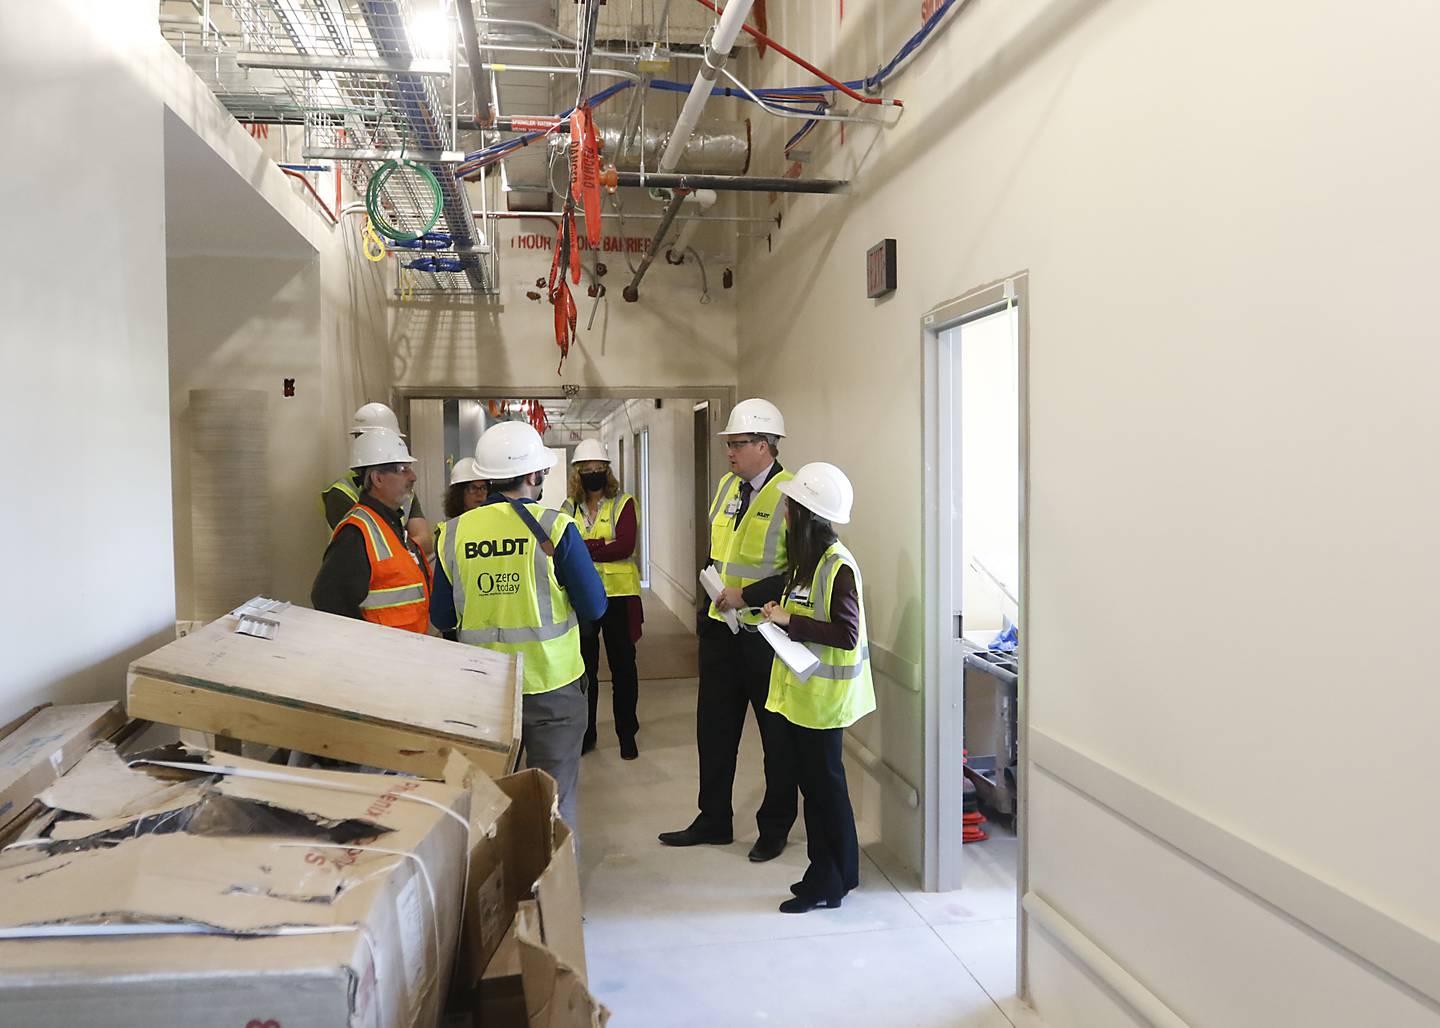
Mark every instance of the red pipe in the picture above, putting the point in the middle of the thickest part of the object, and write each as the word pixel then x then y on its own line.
pixel 763 38
pixel 313 192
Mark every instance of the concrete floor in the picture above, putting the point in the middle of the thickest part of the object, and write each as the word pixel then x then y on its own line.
pixel 692 936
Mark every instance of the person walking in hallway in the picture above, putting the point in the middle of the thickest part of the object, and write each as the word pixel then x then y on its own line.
pixel 609 522
pixel 747 547
pixel 371 569
pixel 822 606
pixel 516 578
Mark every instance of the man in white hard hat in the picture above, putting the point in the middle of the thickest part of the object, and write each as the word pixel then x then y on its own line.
pixel 340 495
pixel 371 569
pixel 747 549
pixel 515 577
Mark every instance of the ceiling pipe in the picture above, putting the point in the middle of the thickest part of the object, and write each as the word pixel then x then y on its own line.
pixel 631 293
pixel 471 34
pixel 717 52
pixel 731 183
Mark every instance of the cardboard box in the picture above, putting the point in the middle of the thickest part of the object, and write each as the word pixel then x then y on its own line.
pixel 530 856
pixel 337 687
pixel 528 865
pixel 527 985
pixel 42 745
pixel 268 895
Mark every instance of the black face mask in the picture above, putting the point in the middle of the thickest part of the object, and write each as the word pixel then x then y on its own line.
pixel 593 481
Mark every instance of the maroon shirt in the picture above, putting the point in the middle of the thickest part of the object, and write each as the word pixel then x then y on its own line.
pixel 622 547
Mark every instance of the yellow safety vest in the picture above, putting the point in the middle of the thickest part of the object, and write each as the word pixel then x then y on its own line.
pixel 621 577
pixel 349 484
pixel 755 549
pixel 839 691
pixel 507 597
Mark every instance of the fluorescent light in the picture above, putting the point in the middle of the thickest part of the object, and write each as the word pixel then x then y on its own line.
pixel 430 33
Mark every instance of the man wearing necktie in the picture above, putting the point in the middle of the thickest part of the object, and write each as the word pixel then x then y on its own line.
pixel 747 549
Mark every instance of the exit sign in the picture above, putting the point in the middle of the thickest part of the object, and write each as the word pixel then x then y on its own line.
pixel 880 269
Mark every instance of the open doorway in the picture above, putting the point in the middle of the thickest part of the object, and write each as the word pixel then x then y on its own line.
pixel 660 448
pixel 975 503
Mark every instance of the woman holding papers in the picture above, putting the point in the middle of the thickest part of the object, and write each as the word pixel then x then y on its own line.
pixel 821 607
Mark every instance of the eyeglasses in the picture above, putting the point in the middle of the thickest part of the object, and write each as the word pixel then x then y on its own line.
pixel 736 444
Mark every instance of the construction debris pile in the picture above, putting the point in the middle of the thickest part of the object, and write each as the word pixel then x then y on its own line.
pixel 209 859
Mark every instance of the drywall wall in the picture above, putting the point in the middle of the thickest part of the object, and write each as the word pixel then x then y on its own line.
pixel 1230 416
pixel 83 348
pixel 668 339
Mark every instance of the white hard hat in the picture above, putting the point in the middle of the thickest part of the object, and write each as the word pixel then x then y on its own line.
pixel 755 416
pixel 823 489
pixel 509 450
pixel 378 446
pixel 374 415
pixel 465 471
pixel 590 449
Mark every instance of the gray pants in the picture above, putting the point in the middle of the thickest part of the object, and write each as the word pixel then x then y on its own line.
pixel 552 727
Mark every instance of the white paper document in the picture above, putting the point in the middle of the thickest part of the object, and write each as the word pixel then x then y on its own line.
pixel 713 585
pixel 797 656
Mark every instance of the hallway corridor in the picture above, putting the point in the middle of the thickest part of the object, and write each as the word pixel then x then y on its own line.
pixel 692 936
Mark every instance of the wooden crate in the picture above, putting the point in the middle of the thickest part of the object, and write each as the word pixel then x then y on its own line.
pixel 340 688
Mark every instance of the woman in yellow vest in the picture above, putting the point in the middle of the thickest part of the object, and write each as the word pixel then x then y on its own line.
pixel 821 606
pixel 609 522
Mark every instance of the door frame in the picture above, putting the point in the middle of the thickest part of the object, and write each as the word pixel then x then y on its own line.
pixel 943 678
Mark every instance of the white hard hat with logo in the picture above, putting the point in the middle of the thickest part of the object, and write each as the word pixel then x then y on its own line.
pixel 823 489
pixel 378 446
pixel 465 471
pixel 375 415
pixel 755 416
pixel 509 450
pixel 590 449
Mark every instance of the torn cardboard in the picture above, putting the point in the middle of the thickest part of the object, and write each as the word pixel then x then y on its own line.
pixel 43 746
pixel 531 855
pixel 274 895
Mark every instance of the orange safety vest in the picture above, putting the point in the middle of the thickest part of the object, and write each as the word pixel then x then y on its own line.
pixel 399 580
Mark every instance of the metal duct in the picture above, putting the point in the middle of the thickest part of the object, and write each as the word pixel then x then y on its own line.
pixel 428 129
pixel 716 148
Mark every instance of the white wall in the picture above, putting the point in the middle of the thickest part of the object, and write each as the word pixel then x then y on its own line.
pixel 1229 220
pixel 83 350
pixel 672 485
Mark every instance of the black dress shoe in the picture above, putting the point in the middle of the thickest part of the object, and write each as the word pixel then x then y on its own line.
pixel 766 849
pixel 587 744
pixel 628 749
pixel 696 836
pixel 805 904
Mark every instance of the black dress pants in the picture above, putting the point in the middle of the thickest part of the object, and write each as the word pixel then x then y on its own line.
pixel 735 674
pixel 614 624
pixel 831 842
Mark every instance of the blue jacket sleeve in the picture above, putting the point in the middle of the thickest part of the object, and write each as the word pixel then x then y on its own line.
pixel 576 574
pixel 442 600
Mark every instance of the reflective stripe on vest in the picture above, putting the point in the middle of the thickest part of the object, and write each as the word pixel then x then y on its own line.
pixel 620 577
pixel 755 549
pixel 507 597
pixel 840 690
pixel 399 593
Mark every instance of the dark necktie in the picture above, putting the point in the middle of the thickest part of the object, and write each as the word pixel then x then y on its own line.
pixel 745 490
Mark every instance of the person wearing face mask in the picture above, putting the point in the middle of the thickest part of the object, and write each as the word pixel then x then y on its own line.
pixel 609 524
pixel 821 606
pixel 514 577
pixel 372 569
